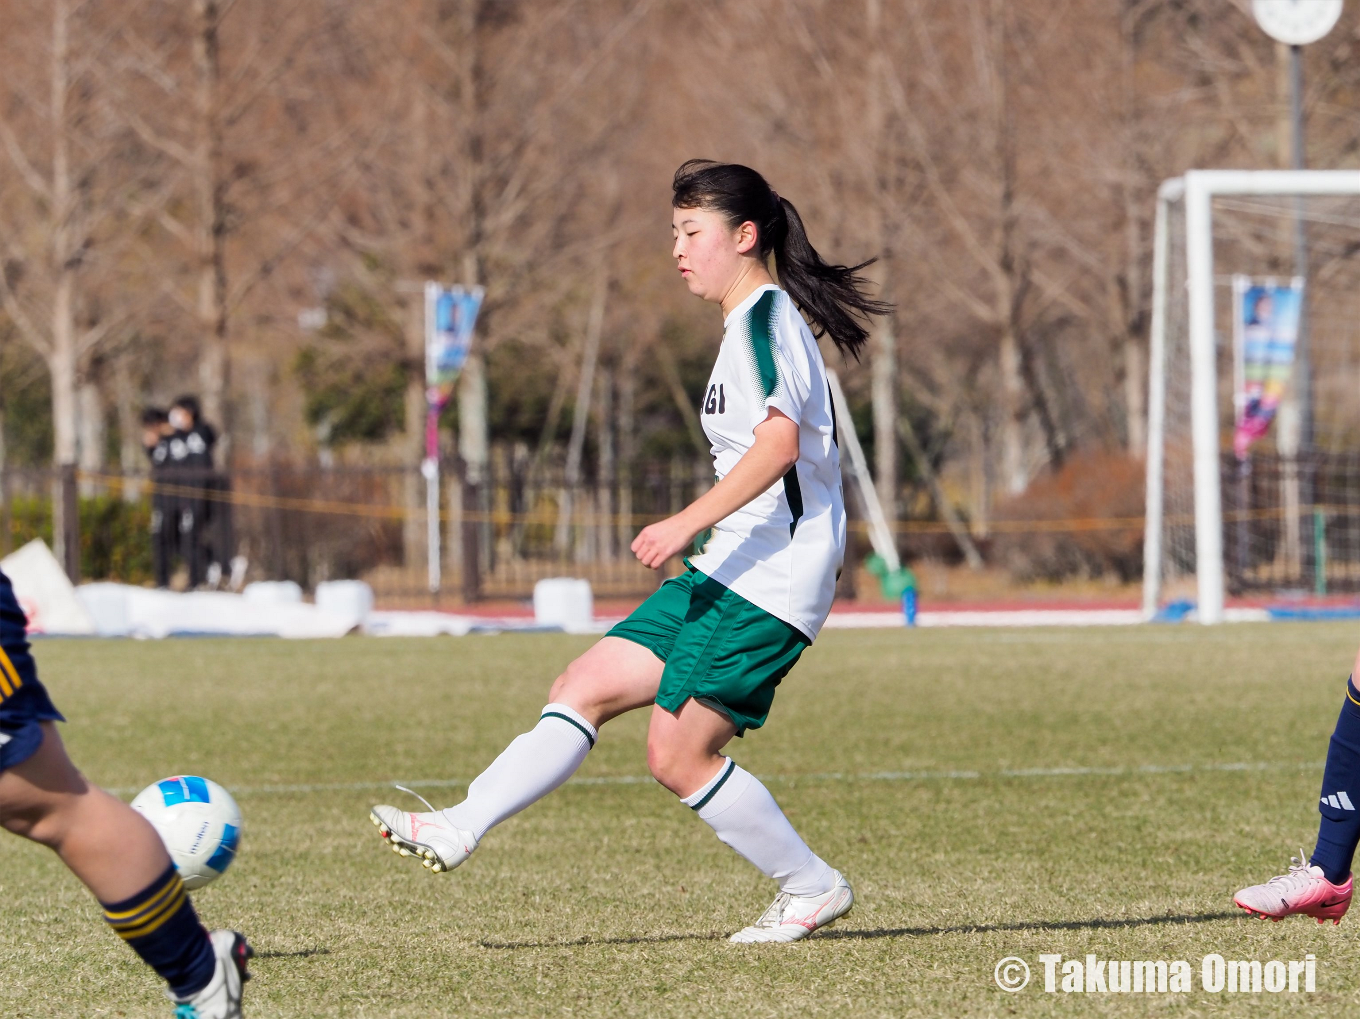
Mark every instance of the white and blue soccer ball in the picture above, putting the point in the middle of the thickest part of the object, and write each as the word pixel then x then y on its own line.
pixel 199 823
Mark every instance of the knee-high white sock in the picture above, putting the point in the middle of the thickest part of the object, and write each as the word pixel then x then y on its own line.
pixel 745 816
pixel 533 765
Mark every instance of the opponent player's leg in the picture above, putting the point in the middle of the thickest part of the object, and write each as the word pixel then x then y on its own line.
pixel 116 853
pixel 683 754
pixel 1321 886
pixel 613 677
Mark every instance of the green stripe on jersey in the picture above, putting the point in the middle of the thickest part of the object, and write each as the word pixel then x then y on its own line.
pixel 760 326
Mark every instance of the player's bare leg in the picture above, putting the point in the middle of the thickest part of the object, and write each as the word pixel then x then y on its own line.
pixel 107 844
pixel 611 678
pixel 116 853
pixel 683 754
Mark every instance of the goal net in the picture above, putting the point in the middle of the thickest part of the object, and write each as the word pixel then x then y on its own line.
pixel 1253 481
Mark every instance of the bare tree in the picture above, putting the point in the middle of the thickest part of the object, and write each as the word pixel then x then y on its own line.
pixel 252 119
pixel 65 212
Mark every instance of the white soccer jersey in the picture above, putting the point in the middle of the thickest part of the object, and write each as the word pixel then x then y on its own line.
pixel 783 550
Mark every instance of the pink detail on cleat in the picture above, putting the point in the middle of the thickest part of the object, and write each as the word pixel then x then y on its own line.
pixel 1303 890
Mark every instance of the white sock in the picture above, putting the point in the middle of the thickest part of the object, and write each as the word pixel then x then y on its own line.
pixel 533 765
pixel 745 816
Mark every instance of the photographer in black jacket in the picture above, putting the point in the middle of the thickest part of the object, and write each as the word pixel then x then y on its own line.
pixel 189 470
pixel 156 435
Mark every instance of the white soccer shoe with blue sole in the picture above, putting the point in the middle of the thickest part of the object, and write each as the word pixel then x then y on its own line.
pixel 794 917
pixel 427 837
pixel 221 999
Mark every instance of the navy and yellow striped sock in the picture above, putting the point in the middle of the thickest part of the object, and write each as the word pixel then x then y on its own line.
pixel 160 925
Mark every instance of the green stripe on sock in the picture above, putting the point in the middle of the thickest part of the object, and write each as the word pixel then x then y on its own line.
pixel 731 767
pixel 567 718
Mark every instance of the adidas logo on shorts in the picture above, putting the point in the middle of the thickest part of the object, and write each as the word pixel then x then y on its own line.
pixel 1339 800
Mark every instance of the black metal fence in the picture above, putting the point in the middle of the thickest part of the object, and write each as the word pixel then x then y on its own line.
pixel 1292 522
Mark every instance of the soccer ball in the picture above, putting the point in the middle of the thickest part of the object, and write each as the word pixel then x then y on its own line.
pixel 199 823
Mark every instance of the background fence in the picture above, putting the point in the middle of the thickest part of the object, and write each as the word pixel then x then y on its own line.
pixel 500 534
pixel 1292 522
pixel 520 523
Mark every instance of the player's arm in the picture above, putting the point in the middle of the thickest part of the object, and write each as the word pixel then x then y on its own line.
pixel 769 459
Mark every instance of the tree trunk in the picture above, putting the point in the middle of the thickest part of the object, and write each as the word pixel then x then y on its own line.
pixel 62 367
pixel 91 433
pixel 883 364
pixel 61 359
pixel 585 386
pixel 1131 318
pixel 214 364
pixel 604 481
pixel 413 537
pixel 1007 282
pixel 475 448
pixel 473 442
pixel 627 446
pixel 979 490
pixel 1012 413
pixel 885 415
pixel 1135 409
pixel 131 458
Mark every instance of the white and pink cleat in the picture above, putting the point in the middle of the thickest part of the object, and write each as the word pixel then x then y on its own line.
pixel 1305 889
pixel 794 917
pixel 427 837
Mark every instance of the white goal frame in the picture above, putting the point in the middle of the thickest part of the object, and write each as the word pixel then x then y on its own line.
pixel 1197 189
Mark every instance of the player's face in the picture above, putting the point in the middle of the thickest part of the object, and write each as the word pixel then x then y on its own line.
pixel 708 252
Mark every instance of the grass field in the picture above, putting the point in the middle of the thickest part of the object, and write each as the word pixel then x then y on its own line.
pixel 988 793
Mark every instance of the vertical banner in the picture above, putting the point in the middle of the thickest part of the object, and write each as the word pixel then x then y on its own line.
pixel 450 315
pixel 1265 335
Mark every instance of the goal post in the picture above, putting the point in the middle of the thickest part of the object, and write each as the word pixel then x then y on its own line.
pixel 1183 302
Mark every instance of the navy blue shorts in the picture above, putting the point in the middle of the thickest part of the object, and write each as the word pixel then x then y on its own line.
pixel 23 700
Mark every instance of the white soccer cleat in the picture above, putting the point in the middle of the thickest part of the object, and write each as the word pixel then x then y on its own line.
pixel 794 917
pixel 221 999
pixel 427 837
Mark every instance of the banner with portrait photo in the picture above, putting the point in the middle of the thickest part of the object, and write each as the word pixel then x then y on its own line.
pixel 1266 319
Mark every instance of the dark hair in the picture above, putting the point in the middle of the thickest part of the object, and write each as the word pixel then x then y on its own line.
pixel 191 404
pixel 832 296
pixel 154 416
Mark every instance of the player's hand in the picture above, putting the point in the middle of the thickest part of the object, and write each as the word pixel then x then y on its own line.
pixel 660 541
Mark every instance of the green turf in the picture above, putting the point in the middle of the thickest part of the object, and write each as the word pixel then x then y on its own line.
pixel 611 899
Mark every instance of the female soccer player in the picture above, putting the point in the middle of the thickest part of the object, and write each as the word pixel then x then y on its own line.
pixel 1320 886
pixel 708 649
pixel 107 844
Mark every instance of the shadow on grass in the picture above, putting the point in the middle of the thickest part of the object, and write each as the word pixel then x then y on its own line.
pixel 1035 925
pixel 305 953
pixel 894 932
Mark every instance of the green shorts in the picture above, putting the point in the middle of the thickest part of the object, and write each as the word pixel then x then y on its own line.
pixel 718 647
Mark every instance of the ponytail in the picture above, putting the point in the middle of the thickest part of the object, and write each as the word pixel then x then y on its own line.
pixel 833 297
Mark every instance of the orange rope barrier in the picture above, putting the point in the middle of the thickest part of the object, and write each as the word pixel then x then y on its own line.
pixel 381 511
